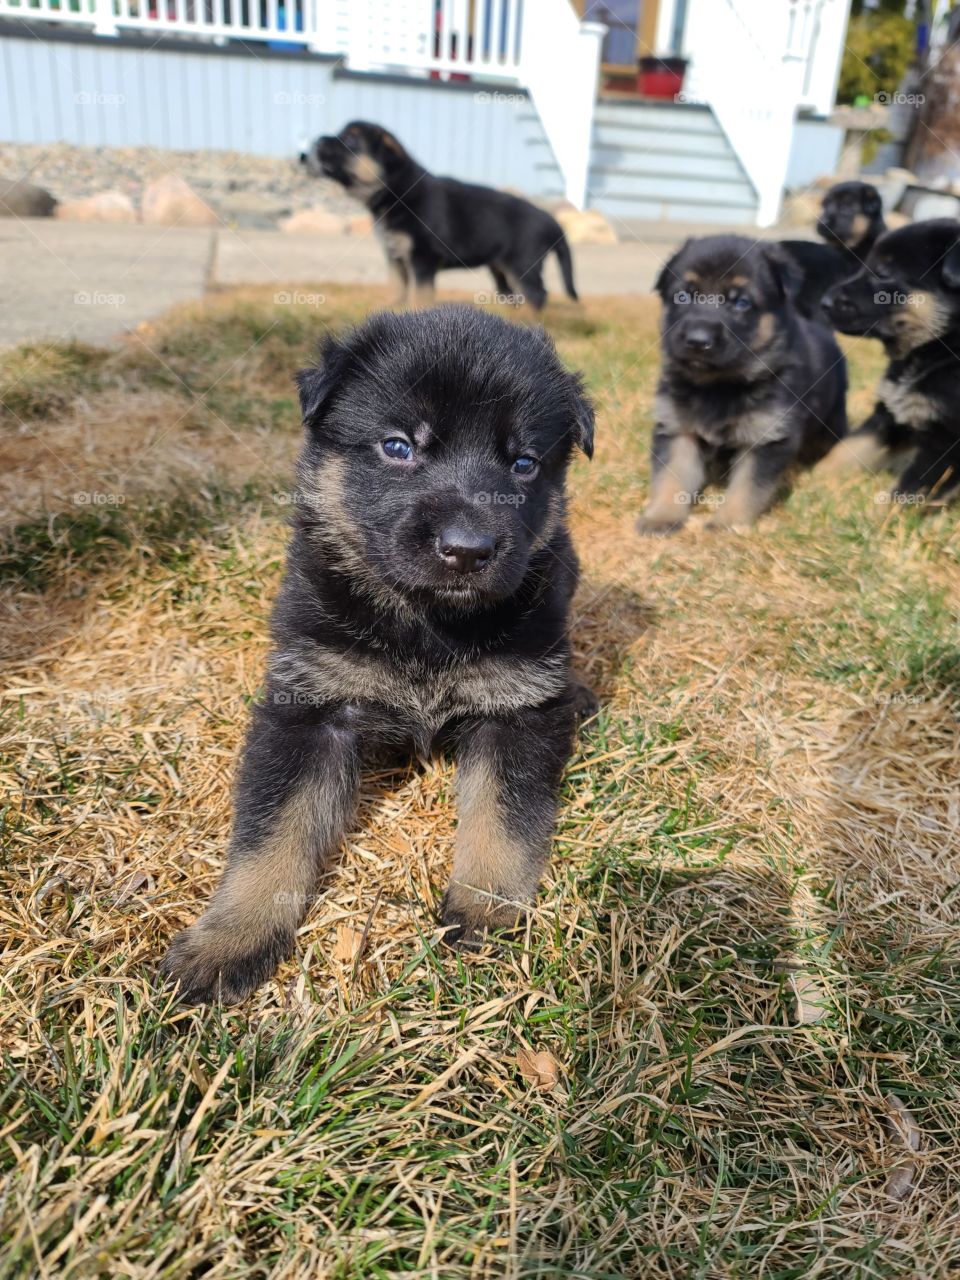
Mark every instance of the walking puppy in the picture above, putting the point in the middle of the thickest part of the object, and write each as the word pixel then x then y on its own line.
pixel 748 387
pixel 908 296
pixel 429 224
pixel 425 603
pixel 851 221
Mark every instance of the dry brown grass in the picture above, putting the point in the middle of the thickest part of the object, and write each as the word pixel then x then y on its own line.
pixel 728 1045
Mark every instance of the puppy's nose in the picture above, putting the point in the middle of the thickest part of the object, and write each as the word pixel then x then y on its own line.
pixel 464 550
pixel 698 338
pixel 836 305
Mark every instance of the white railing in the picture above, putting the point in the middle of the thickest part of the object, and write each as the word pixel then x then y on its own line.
pixel 538 45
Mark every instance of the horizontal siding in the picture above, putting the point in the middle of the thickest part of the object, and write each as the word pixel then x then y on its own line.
pixel 117 94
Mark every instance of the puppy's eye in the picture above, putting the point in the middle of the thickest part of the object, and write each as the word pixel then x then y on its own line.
pixel 741 302
pixel 525 466
pixel 397 449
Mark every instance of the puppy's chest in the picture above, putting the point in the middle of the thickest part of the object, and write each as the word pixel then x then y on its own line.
pixel 907 403
pixel 723 422
pixel 483 685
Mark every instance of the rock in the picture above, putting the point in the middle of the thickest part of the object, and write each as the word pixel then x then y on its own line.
pixel 315 221
pixel 587 226
pixel 251 208
pixel 169 202
pixel 19 199
pixel 106 206
pixel 360 225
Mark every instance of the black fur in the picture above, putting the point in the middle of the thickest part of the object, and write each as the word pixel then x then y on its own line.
pixel 908 296
pixel 429 224
pixel 748 387
pixel 425 604
pixel 851 220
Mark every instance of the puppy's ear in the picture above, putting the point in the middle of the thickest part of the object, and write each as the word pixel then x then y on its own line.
pixel 584 417
pixel 318 384
pixel 872 204
pixel 668 271
pixel 950 268
pixel 787 273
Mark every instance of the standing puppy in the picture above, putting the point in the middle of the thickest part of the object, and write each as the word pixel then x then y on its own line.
pixel 908 296
pixel 426 602
pixel 429 224
pixel 748 387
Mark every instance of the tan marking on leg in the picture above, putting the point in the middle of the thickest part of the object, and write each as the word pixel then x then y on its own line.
pixel 494 873
pixel 424 293
pixel 855 453
pixel 401 280
pixel 674 487
pixel 744 500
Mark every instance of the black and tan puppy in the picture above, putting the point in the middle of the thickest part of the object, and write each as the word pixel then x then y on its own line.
pixel 425 604
pixel 429 224
pixel 748 387
pixel 851 220
pixel 908 296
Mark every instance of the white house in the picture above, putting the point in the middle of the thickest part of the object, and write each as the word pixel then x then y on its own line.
pixel 541 94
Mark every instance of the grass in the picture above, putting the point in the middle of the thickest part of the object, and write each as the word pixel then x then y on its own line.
pixel 740 982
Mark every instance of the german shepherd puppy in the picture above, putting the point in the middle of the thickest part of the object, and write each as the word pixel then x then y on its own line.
pixel 908 296
pixel 748 387
pixel 425 604
pixel 428 224
pixel 851 220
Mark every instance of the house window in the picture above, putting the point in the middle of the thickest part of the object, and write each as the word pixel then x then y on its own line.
pixel 622 19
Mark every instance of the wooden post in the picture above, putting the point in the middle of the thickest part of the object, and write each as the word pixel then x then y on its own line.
pixel 647 28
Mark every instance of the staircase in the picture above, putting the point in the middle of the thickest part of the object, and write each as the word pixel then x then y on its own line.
pixel 666 161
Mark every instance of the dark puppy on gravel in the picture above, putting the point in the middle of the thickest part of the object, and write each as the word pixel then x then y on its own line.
pixel 425 604
pixel 428 224
pixel 748 387
pixel 851 221
pixel 908 296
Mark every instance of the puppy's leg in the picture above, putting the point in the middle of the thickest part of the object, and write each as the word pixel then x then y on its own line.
pixel 678 474
pixel 508 777
pixel 295 796
pixel 932 473
pixel 401 276
pixel 424 281
pixel 755 478
pixel 501 284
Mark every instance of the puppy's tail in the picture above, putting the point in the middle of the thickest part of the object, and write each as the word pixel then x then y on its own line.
pixel 562 250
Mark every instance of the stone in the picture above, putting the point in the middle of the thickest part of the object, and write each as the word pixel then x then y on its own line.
pixel 315 221
pixel 801 209
pixel 586 226
pixel 20 199
pixel 105 206
pixel 169 202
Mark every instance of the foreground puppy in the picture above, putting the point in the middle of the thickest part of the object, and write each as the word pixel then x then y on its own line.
pixel 851 221
pixel 425 603
pixel 429 224
pixel 748 387
pixel 908 296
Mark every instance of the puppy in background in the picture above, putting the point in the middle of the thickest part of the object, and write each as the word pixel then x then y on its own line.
pixel 748 387
pixel 908 296
pixel 429 224
pixel 426 604
pixel 851 221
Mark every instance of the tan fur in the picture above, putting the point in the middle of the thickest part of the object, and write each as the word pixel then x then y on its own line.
pixel 401 280
pixel 909 406
pixel 494 873
pixel 855 453
pixel 766 330
pixel 675 485
pixel 743 500
pixel 921 319
pixel 424 293
pixel 858 229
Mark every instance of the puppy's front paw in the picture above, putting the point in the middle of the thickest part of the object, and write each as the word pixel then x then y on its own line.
pixel 214 963
pixel 653 526
pixel 585 701
pixel 467 919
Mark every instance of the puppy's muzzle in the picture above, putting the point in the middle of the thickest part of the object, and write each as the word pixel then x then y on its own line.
pixel 699 339
pixel 465 550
